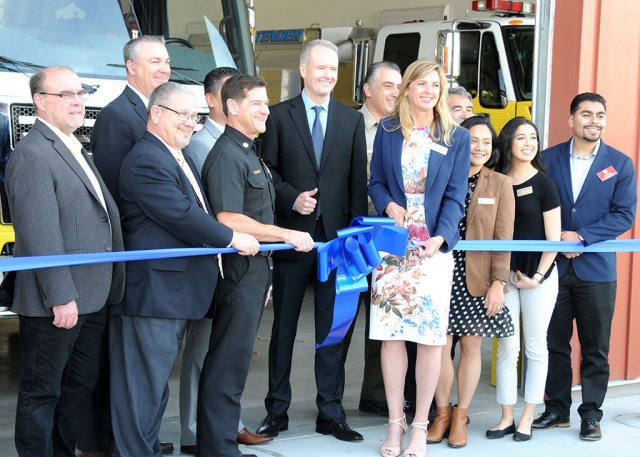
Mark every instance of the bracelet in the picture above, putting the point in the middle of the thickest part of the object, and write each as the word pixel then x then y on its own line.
pixel 541 280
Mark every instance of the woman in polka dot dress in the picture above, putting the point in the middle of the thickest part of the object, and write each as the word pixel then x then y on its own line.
pixel 477 298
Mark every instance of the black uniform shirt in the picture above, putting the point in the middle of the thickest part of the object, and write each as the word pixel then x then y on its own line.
pixel 236 180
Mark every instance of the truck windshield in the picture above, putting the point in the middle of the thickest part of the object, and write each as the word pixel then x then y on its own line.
pixel 85 35
pixel 519 42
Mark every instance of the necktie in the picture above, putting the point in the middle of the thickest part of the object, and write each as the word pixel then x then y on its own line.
pixel 317 136
pixel 77 153
pixel 192 180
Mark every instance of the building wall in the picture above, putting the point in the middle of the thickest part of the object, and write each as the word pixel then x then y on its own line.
pixel 596 48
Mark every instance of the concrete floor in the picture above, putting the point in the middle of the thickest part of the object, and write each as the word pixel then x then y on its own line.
pixel 620 426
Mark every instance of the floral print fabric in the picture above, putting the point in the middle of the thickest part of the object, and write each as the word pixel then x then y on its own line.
pixel 410 295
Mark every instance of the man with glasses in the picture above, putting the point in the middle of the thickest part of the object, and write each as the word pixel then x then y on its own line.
pixel 120 124
pixel 59 205
pixel 163 206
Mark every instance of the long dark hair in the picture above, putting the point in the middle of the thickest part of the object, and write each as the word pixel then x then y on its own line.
pixel 505 140
pixel 495 150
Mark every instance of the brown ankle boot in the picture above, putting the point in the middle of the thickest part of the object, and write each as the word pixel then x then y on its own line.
pixel 440 425
pixel 458 432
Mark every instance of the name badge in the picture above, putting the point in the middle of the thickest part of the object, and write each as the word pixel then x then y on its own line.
pixel 524 191
pixel 607 173
pixel 486 201
pixel 256 172
pixel 439 148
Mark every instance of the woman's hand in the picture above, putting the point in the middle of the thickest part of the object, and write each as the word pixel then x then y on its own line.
pixel 494 301
pixel 397 212
pixel 522 281
pixel 430 246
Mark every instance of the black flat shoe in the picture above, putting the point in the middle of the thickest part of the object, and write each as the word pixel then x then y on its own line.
pixel 497 434
pixel 517 436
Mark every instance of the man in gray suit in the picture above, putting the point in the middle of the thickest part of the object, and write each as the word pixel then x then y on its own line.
pixel 59 205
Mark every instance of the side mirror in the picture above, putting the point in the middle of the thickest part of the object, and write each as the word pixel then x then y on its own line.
pixel 448 53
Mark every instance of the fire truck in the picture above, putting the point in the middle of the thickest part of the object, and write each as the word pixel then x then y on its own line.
pixel 492 57
pixel 88 36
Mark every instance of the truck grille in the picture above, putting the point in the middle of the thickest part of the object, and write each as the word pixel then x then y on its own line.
pixel 23 117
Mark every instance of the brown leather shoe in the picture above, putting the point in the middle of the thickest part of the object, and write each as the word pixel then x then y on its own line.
pixel 458 431
pixel 166 447
pixel 440 425
pixel 251 439
pixel 191 450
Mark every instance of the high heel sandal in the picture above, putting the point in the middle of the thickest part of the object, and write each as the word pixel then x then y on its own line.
pixel 395 450
pixel 421 426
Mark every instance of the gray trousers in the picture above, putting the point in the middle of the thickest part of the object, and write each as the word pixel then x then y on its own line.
pixel 142 351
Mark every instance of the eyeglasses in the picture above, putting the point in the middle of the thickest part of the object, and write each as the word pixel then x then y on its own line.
pixel 68 96
pixel 183 115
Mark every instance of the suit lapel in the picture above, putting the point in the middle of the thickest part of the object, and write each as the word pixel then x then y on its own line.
pixel 299 117
pixel 333 125
pixel 397 142
pixel 598 164
pixel 435 159
pixel 68 157
pixel 212 129
pixel 565 168
pixel 138 105
pixel 481 187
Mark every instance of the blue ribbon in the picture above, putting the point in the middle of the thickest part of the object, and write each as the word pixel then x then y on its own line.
pixel 354 254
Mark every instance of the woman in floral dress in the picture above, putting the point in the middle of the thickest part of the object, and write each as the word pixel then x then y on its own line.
pixel 419 170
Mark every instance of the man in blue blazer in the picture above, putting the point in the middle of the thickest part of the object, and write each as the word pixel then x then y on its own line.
pixel 163 206
pixel 597 188
pixel 120 124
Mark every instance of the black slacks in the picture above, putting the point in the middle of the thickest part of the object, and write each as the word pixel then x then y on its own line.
pixel 290 280
pixel 239 302
pixel 591 304
pixel 59 369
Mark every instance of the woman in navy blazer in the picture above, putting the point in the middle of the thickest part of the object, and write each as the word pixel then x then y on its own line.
pixel 419 170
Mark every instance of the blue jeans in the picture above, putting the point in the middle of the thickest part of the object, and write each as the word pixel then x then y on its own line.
pixel 59 369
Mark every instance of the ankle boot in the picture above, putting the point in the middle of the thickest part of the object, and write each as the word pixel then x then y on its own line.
pixel 458 432
pixel 440 425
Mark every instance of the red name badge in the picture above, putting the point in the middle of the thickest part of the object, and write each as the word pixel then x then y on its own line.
pixel 607 173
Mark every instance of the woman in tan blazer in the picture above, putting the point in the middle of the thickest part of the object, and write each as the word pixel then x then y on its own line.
pixel 477 299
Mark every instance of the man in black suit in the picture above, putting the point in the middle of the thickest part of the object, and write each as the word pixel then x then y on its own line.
pixel 120 124
pixel 59 205
pixel 242 196
pixel 162 206
pixel 316 150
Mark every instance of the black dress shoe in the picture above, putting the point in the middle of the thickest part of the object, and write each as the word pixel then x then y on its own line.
pixel 166 448
pixel 590 430
pixel 374 407
pixel 189 449
pixel 497 434
pixel 548 420
pixel 338 428
pixel 272 424
pixel 517 436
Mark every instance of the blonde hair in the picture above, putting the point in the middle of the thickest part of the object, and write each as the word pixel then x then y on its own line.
pixel 443 123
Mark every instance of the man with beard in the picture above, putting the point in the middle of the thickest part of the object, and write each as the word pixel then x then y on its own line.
pixel 597 187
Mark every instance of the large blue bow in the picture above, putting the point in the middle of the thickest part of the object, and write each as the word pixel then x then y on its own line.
pixel 354 253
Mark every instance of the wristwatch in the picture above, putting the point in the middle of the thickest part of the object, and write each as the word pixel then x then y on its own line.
pixel 539 276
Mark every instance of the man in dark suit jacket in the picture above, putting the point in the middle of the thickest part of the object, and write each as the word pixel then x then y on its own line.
pixel 163 206
pixel 316 150
pixel 597 188
pixel 60 205
pixel 120 124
